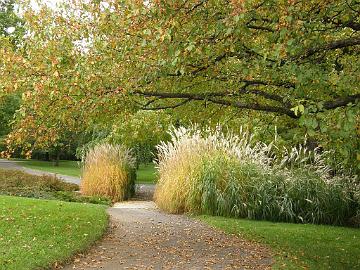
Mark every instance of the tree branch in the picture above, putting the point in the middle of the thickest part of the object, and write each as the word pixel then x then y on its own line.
pixel 215 98
pixel 218 98
pixel 341 102
pixel 202 2
pixel 353 25
pixel 259 27
pixel 333 45
pixel 165 107
pixel 255 107
pixel 264 94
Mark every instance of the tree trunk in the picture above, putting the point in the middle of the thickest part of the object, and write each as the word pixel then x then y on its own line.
pixel 56 163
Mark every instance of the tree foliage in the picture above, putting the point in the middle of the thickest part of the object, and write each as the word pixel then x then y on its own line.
pixel 292 62
pixel 10 23
pixel 8 106
pixel 11 31
pixel 142 132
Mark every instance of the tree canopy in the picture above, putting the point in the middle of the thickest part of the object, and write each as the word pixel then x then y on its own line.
pixel 294 63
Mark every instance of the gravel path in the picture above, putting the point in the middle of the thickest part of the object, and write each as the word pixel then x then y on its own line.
pixel 142 237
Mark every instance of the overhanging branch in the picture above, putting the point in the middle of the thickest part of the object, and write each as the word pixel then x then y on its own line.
pixel 216 98
pixel 228 99
pixel 157 108
pixel 341 102
pixel 333 45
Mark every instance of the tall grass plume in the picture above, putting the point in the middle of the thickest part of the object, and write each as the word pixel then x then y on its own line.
pixel 108 170
pixel 231 175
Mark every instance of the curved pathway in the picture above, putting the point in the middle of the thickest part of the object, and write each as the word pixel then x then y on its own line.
pixel 142 237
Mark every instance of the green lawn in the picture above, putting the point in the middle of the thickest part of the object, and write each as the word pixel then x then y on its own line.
pixel 36 233
pixel 299 246
pixel 66 167
pixel 146 174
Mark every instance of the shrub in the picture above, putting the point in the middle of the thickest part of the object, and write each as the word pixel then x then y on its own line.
pixel 228 175
pixel 76 197
pixel 13 182
pixel 109 171
pixel 18 183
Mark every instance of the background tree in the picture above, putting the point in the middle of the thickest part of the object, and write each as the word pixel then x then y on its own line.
pixel 141 132
pixel 8 106
pixel 11 30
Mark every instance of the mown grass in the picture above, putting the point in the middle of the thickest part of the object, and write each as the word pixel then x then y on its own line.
pixel 36 234
pixel 146 174
pixel 66 167
pixel 298 246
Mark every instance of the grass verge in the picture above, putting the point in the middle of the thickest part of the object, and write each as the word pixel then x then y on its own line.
pixel 298 246
pixel 66 167
pixel 40 233
pixel 146 174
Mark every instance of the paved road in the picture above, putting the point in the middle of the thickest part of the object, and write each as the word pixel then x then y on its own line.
pixel 142 237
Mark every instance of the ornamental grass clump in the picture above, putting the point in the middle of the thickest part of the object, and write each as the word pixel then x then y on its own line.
pixel 229 175
pixel 182 161
pixel 179 161
pixel 108 170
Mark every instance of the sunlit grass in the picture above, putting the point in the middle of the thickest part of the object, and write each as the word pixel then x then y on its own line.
pixel 298 246
pixel 66 167
pixel 146 174
pixel 34 234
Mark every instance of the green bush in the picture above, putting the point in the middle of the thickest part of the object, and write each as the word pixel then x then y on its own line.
pixel 14 180
pixel 76 197
pixel 229 176
pixel 17 183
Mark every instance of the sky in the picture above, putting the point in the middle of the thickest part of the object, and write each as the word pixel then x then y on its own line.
pixel 50 3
